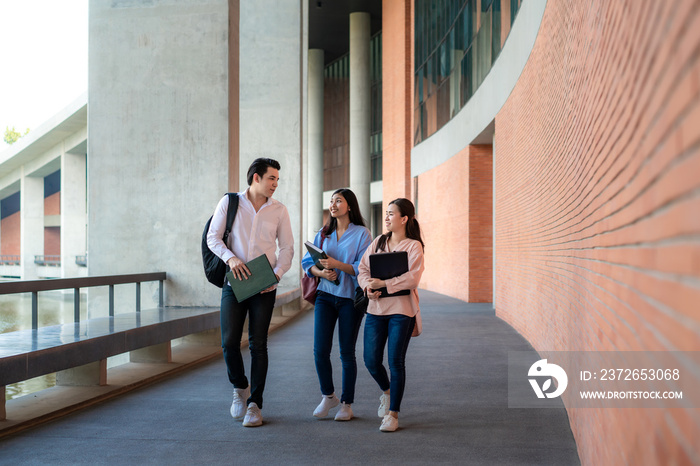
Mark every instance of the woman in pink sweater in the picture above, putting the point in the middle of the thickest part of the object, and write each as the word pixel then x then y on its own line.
pixel 392 320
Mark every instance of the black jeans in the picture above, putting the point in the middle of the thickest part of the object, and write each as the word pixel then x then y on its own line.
pixel 233 314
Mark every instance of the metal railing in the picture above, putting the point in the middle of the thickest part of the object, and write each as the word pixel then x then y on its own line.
pixel 48 260
pixel 35 286
pixel 6 259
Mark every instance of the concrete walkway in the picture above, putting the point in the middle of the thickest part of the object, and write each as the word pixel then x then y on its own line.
pixel 455 409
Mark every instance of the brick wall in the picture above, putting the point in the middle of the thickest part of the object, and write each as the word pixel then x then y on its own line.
pixel 10 238
pixel 52 235
pixel 397 111
pixel 52 241
pixel 480 224
pixel 598 205
pixel 52 204
pixel 443 215
pixel 455 213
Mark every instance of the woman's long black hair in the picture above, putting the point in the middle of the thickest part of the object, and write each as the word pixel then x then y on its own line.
pixel 406 209
pixel 354 213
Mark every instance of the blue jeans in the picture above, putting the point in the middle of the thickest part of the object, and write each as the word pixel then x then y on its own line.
pixel 329 309
pixel 233 314
pixel 393 331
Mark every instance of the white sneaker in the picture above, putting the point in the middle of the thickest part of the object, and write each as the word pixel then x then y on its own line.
pixel 240 397
pixel 344 413
pixel 253 416
pixel 383 405
pixel 389 424
pixel 327 402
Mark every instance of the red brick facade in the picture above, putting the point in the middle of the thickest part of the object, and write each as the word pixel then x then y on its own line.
pixel 10 237
pixel 52 204
pixel 598 204
pixel 11 233
pixel 52 235
pixel 397 108
pixel 455 213
pixel 52 241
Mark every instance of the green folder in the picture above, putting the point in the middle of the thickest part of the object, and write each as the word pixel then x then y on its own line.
pixel 261 277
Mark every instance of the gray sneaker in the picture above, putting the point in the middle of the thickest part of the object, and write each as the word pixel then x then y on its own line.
pixel 326 404
pixel 383 405
pixel 344 413
pixel 389 424
pixel 240 397
pixel 253 416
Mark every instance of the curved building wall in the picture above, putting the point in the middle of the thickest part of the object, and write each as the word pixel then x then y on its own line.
pixel 597 195
pixel 453 175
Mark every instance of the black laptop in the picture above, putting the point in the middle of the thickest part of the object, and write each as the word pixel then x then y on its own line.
pixel 389 265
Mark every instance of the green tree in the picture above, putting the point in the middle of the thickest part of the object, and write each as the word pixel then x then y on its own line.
pixel 11 136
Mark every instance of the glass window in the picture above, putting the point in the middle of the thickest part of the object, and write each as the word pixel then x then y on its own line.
pixel 452 56
pixel 429 77
pixel 496 31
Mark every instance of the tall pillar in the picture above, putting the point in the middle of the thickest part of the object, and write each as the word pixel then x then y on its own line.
pixel 397 103
pixel 273 88
pixel 314 185
pixel 73 212
pixel 360 87
pixel 31 224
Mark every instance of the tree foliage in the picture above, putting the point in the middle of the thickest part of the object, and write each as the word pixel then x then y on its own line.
pixel 11 136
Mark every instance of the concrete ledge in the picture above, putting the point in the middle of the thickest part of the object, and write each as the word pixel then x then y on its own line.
pixel 51 403
pixel 40 407
pixel 31 353
pixel 286 295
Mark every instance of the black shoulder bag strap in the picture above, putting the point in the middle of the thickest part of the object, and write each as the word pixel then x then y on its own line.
pixel 230 215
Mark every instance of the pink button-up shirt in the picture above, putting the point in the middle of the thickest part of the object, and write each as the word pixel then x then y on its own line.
pixel 254 233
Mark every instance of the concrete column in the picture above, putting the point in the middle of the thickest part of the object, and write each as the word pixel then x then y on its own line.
pixel 73 213
pixel 161 353
pixel 273 88
pixel 206 338
pixel 360 87
pixel 177 120
pixel 94 373
pixel 3 412
pixel 31 224
pixel 314 185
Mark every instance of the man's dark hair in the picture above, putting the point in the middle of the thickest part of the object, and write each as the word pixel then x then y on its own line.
pixel 259 166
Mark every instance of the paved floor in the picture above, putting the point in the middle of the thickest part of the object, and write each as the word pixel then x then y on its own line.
pixel 455 409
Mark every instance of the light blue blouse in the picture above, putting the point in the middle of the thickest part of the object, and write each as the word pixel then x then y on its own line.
pixel 349 249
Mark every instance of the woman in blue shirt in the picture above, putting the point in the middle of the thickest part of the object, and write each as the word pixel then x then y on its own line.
pixel 344 239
